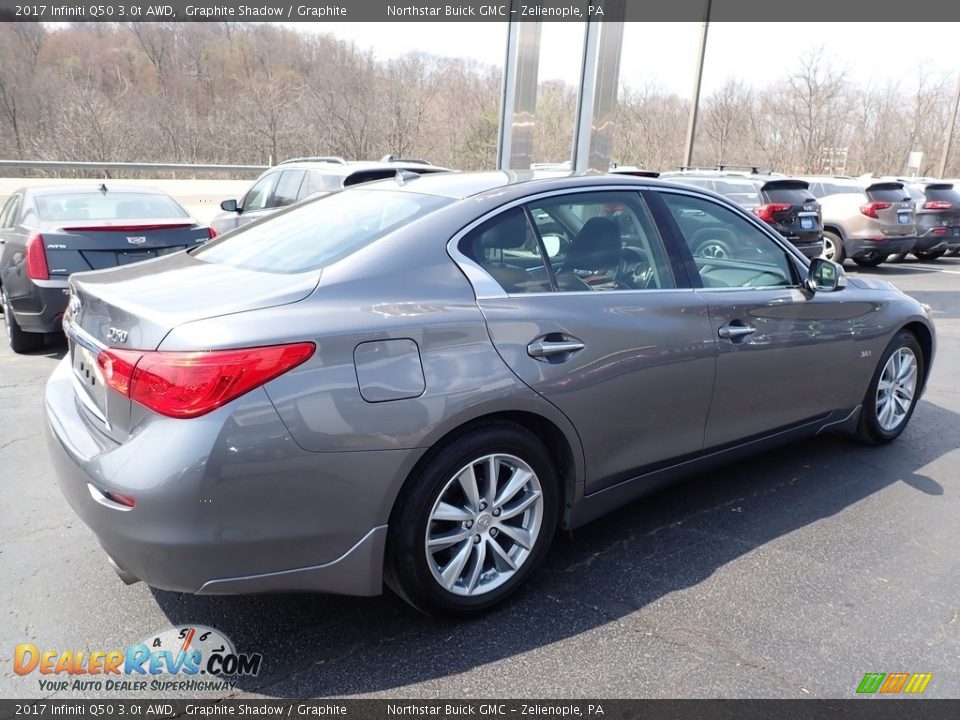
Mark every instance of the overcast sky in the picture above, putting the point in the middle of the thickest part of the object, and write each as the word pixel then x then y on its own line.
pixel 756 53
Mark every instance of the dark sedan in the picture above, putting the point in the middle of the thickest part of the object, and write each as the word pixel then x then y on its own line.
pixel 48 233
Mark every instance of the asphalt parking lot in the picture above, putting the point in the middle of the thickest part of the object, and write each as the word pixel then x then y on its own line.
pixel 790 575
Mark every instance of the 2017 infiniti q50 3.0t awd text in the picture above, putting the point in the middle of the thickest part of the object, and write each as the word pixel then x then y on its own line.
pixel 420 380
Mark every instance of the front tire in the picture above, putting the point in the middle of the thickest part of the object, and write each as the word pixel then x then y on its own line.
pixel 459 544
pixel 20 341
pixel 893 391
pixel 869 263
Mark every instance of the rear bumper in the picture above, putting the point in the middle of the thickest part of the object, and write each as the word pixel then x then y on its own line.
pixel 809 249
pixel 868 248
pixel 928 242
pixel 225 503
pixel 41 311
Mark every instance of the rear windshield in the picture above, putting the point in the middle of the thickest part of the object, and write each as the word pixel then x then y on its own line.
pixel 792 195
pixel 884 194
pixel 943 193
pixel 320 232
pixel 108 206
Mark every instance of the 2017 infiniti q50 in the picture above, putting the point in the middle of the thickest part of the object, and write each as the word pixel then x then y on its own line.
pixel 420 380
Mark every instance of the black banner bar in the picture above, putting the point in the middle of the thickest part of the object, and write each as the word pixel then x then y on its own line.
pixel 853 709
pixel 854 11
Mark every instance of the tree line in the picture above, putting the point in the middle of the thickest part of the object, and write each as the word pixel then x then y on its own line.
pixel 238 93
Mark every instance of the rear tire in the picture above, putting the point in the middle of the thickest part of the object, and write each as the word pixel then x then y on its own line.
pixel 20 341
pixel 833 247
pixel 893 391
pixel 452 552
pixel 871 263
pixel 929 255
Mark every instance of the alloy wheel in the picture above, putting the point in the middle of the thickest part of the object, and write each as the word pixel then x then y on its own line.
pixel 896 389
pixel 829 248
pixel 484 524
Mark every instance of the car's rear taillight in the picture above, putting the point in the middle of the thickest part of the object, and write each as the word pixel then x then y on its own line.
pixel 37 268
pixel 870 209
pixel 940 231
pixel 189 384
pixel 211 232
pixel 766 212
pixel 937 205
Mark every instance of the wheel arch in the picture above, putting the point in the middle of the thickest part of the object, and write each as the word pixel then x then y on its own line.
pixel 562 444
pixel 925 338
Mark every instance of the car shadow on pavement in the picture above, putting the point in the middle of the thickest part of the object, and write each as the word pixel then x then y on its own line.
pixel 319 645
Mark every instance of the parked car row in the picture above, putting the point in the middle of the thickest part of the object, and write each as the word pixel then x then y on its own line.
pixel 867 220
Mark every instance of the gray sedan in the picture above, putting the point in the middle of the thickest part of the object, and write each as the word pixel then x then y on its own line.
pixel 418 381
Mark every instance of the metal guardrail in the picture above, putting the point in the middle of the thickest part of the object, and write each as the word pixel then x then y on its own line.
pixel 160 167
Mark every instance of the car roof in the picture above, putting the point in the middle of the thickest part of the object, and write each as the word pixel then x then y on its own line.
pixel 511 183
pixel 347 168
pixel 92 189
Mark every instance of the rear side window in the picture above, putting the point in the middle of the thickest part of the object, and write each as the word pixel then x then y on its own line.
pixel 887 194
pixel 288 188
pixel 9 215
pixel 507 248
pixel 109 206
pixel 744 193
pixel 317 182
pixel 320 233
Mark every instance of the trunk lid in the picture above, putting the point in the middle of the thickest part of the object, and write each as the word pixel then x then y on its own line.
pixel 898 217
pixel 81 245
pixel 135 307
pixel 801 218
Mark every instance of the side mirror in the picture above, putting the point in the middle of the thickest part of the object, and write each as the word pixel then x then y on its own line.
pixel 551 243
pixel 825 276
pixel 229 206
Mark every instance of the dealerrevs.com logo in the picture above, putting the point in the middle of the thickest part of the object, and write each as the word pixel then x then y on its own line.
pixel 184 658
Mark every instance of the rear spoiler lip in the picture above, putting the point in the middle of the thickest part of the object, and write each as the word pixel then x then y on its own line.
pixel 131 226
pixel 786 184
pixel 940 186
pixel 885 186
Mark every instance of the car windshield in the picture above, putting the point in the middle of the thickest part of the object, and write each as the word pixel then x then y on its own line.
pixel 109 206
pixel 321 232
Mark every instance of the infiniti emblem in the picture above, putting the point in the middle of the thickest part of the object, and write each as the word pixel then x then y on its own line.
pixel 73 307
pixel 136 240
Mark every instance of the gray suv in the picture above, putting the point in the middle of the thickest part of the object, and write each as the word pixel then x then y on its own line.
pixel 297 179
pixel 865 220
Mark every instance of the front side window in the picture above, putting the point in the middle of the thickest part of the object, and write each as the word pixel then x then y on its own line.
pixel 317 234
pixel 727 249
pixel 259 195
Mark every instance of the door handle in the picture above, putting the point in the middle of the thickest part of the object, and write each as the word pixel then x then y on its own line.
pixel 547 348
pixel 734 332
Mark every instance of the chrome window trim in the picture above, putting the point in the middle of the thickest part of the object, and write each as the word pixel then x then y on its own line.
pixel 484 286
